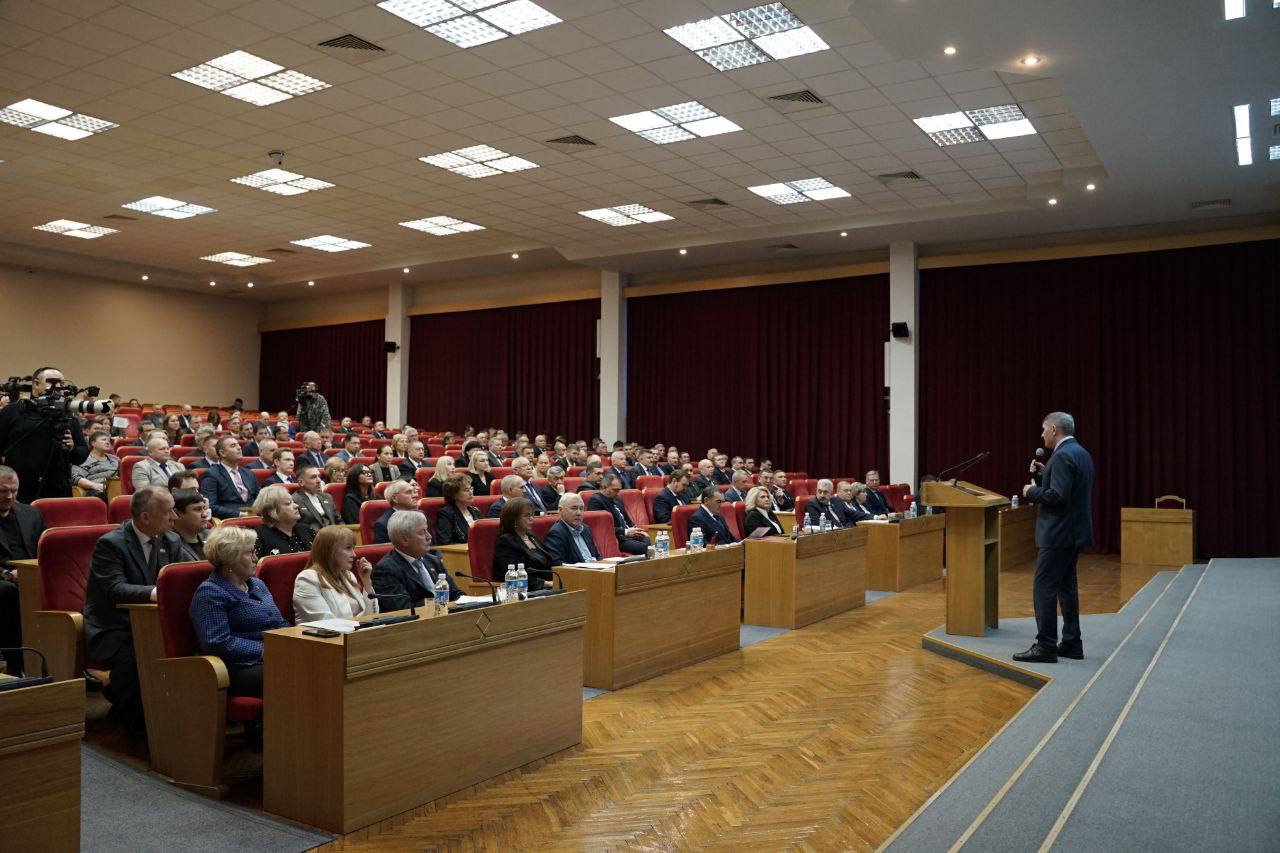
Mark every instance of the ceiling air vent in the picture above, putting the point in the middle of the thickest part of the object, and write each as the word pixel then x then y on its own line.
pixel 708 202
pixel 351 42
pixel 891 177
pixel 804 96
pixel 1211 204
pixel 120 218
pixel 785 247
pixel 571 139
pixel 281 252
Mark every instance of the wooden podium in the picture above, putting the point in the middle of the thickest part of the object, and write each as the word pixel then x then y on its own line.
pixel 973 558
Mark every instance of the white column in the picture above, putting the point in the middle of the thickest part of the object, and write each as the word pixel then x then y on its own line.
pixel 398 296
pixel 611 346
pixel 901 363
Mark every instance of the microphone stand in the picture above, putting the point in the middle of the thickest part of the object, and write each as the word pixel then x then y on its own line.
pixel 493 587
pixel 957 470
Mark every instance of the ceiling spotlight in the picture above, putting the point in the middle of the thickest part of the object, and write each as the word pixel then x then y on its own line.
pixel 405 270
pixel 515 256
pixel 146 277
pixel 949 50
pixel 1091 187
pixel 311 284
pixel 213 284
pixel 844 233
pixel 250 285
pixel 684 251
pixel 1030 60
pixel 1052 202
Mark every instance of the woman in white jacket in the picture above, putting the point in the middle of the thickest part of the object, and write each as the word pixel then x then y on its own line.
pixel 335 584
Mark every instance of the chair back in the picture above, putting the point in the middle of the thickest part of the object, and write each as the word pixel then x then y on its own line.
pixel 337 491
pixel 649 495
pixel 680 524
pixel 601 524
pixel 575 470
pixel 633 503
pixel 175 588
pixel 802 501
pixel 118 512
pixel 649 481
pixel 379 488
pixel 71 512
pixel 571 484
pixel 371 511
pixel 499 473
pixel 543 524
pixel 423 475
pixel 896 495
pixel 431 508
pixel 248 522
pixel 279 573
pixel 798 487
pixel 733 515
pixel 482 503
pixel 481 543
pixel 740 513
pixel 495 488
pixel 63 556
pixel 126 473
pixel 188 440
pixel 373 553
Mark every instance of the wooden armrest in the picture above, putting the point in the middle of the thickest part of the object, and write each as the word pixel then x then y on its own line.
pixel 192 676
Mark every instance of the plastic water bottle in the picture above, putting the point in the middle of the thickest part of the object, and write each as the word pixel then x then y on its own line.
pixel 914 511
pixel 522 578
pixel 442 594
pixel 695 539
pixel 824 524
pixel 510 583
pixel 928 510
pixel 662 546
pixel 1013 502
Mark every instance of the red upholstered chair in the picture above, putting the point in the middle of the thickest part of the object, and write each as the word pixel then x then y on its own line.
pixel 288 487
pixel 71 512
pixel 126 473
pixel 249 522
pixel 378 442
pixel 648 481
pixel 482 503
pixel 51 592
pixel 128 448
pixel 422 475
pixel 575 470
pixel 279 573
pixel 495 488
pixel 601 524
pixel 370 511
pixel 740 513
pixel 797 475
pixel 188 440
pixel 134 419
pixel 571 483
pixel 680 524
pixel 733 515
pixel 436 450
pixel 379 488
pixel 634 503
pixel 649 495
pixel 373 553
pixel 893 494
pixel 337 491
pixel 542 524
pixel 262 474
pixel 431 507
pixel 118 511
pixel 724 487
pixel 798 487
pixel 499 473
pixel 812 485
pixel 184 692
pixel 480 547
pixel 132 410
pixel 801 502
pixel 333 451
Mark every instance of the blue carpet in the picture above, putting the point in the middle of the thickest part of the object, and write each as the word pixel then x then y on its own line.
pixel 749 635
pixel 874 595
pixel 592 692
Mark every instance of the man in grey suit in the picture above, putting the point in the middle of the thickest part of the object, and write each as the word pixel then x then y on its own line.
pixel 123 570
pixel 1064 525
pixel 314 505
pixel 157 468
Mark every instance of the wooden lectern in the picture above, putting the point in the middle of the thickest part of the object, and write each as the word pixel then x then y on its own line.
pixel 973 558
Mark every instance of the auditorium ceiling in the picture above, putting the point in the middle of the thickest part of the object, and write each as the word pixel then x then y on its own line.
pixel 845 126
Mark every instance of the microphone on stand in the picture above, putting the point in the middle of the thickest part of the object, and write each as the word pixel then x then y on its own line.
pixel 493 587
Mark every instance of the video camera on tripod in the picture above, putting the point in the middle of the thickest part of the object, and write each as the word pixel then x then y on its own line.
pixel 58 402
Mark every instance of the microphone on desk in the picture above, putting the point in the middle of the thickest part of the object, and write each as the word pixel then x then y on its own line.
pixel 18 683
pixel 413 610
pixel 493 587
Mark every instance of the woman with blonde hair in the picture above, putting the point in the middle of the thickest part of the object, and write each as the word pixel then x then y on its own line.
pixel 280 532
pixel 335 470
pixel 336 584
pixel 444 470
pixel 400 445
pixel 479 472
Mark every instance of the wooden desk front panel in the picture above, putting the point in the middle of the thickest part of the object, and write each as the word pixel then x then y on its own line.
pixel 396 717
pixel 1017 536
pixel 793 583
pixel 40 732
pixel 1157 537
pixel 906 554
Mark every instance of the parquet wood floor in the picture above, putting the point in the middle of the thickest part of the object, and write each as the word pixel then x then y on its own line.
pixel 826 738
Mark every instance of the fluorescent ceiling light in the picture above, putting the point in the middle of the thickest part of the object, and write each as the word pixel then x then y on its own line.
pixel 72 228
pixel 625 214
pixel 959 136
pixel 250 78
pixel 1244 144
pixel 1244 152
pixel 236 259
pixel 451 21
pixel 281 182
pixel 169 208
pixel 330 243
pixel 52 121
pixel 442 226
pixel 479 161
pixel 1000 122
pixel 1275 102
pixel 1275 152
pixel 1232 9
pixel 794 192
pixel 1007 129
pixel 676 123
pixel 1242 120
pixel 946 121
pixel 748 37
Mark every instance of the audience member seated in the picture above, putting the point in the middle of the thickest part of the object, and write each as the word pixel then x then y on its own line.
pixel 156 469
pixel 631 539
pixel 444 470
pixel 313 450
pixel 704 478
pixel 400 445
pixel 478 471
pixel 760 513
pixel 591 478
pixel 569 540
pixel 284 468
pixel 173 429
pixel 673 494
pixel 227 487
pixel 380 430
pixel 20 529
pixel 876 501
pixel 672 463
pixel 862 512
pixel 280 531
pixel 617 467
pixel 336 584
pixel 123 570
pixel 741 484
pixel 191 522
pixel 350 448
pixel 820 506
pixel 402 495
pixel 524 469
pixel 232 608
pixel 252 437
pixel 184 479
pixel 721 474
pixel 541 466
pixel 554 489
pixel 335 470
pixel 413 461
pixel 207 441
pixel 185 420
pixel 315 508
pixel 359 490
pixel 714 528
pixel 266 454
pixel 782 499
pixel 512 487
pixel 407 574
pixel 384 469
pixel 517 543
pixel 98 467
pixel 282 423
pixel 453 524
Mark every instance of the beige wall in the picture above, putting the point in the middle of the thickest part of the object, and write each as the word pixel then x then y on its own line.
pixel 507 289
pixel 326 308
pixel 155 344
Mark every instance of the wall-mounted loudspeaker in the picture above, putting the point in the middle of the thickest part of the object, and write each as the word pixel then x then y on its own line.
pixel 390 346
pixel 899 330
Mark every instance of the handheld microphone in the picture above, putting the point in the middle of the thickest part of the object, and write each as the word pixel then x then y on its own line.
pixel 493 587
pixel 1035 476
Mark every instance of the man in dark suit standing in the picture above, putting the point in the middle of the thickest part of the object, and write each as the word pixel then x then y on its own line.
pixel 1064 525
pixel 714 528
pixel 569 540
pixel 407 575
pixel 20 529
pixel 228 487
pixel 631 539
pixel 123 570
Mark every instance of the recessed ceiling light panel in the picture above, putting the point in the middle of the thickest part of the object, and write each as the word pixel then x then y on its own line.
pixel 625 214
pixel 441 226
pixel 72 228
pixel 250 78
pixel 330 243
pixel 1000 122
pixel 748 37
pixel 282 182
pixel 469 23
pixel 958 136
pixel 52 121
pixel 795 192
pixel 169 208
pixel 479 161
pixel 235 259
pixel 676 123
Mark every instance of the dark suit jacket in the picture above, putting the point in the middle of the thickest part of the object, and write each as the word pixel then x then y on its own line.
pixel 495 508
pixel 813 511
pixel 220 492
pixel 118 574
pixel 451 527
pixel 621 521
pixel 408 470
pixel 351 508
pixel 721 476
pixel 650 471
pixel 480 482
pixel 785 502
pixel 860 512
pixel 700 484
pixel 314 457
pixel 628 478
pixel 249 448
pixel 257 465
pixel 561 548
pixel 435 489
pixel 848 515
pixel 877 503
pixel 667 469
pixel 734 495
pixel 274 480
pixel 1065 518
pixel 510 549
pixel 714 528
pixel 550 497
pixel 30 525
pixel 309 516
pixel 664 503
pixel 401 584
pixel 755 518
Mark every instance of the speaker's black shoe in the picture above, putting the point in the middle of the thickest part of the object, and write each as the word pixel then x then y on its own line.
pixel 1036 654
pixel 1074 651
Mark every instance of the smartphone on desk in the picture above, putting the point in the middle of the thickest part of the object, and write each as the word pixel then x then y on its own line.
pixel 321 632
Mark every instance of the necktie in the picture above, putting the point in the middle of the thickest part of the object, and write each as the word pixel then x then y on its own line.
pixel 423 573
pixel 241 489
pixel 535 497
pixel 153 561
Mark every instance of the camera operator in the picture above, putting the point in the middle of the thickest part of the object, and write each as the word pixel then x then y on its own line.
pixel 40 439
pixel 313 409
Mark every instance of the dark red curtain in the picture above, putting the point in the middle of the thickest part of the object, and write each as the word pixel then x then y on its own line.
pixel 531 368
pixel 793 372
pixel 1169 361
pixel 347 362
